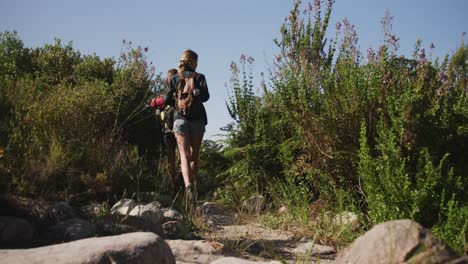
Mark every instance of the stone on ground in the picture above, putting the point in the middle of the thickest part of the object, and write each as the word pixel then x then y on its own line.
pixel 110 225
pixel 149 217
pixel 346 219
pixel 399 241
pixel 310 248
pixel 171 215
pixel 174 230
pixel 123 206
pixel 214 215
pixel 70 230
pixel 59 212
pixel 128 248
pixel 15 231
pixel 195 251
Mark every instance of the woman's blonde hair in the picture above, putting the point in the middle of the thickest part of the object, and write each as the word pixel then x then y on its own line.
pixel 188 61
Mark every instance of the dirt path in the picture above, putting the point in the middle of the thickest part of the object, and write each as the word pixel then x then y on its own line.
pixel 252 240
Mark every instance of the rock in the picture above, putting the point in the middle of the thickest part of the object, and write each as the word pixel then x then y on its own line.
pixel 399 241
pixel 346 219
pixel 123 207
pixel 128 248
pixel 214 215
pixel 282 210
pixel 174 229
pixel 195 251
pixel 233 260
pixel 69 230
pixel 309 248
pixel 254 205
pixel 148 217
pixel 92 211
pixel 32 210
pixel 147 210
pixel 171 215
pixel 59 212
pixel 15 232
pixel 210 208
pixel 110 225
pixel 151 212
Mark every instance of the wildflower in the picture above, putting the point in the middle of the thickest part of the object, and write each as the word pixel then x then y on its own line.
pixel 250 60
pixel 317 5
pixel 146 49
pixel 338 26
pixel 422 56
pixel 346 23
pixel 278 58
pixel 242 58
pixel 370 54
pixel 432 46
pixel 233 67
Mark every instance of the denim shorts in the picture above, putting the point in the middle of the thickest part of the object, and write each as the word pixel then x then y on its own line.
pixel 190 127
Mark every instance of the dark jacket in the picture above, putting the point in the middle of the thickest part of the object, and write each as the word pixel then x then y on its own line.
pixel 198 110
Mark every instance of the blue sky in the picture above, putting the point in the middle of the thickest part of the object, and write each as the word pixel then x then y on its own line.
pixel 220 31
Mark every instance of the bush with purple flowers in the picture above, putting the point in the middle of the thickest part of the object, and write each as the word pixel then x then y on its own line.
pixel 388 133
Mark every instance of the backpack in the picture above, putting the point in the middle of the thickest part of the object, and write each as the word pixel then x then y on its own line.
pixel 167 118
pixel 185 94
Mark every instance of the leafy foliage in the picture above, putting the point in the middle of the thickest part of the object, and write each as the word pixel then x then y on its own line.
pixel 386 131
pixel 72 123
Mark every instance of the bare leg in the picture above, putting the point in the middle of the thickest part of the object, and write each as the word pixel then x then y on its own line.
pixel 195 143
pixel 183 143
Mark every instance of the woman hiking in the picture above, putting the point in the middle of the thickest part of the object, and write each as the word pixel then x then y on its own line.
pixel 187 91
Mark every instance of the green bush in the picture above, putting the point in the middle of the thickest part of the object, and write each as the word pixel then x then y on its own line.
pixel 388 132
pixel 72 123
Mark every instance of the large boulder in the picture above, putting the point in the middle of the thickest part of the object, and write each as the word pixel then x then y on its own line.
pixel 399 241
pixel 69 230
pixel 128 248
pixel 15 232
pixel 123 207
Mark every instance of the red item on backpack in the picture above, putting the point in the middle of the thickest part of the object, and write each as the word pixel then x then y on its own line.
pixel 158 102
